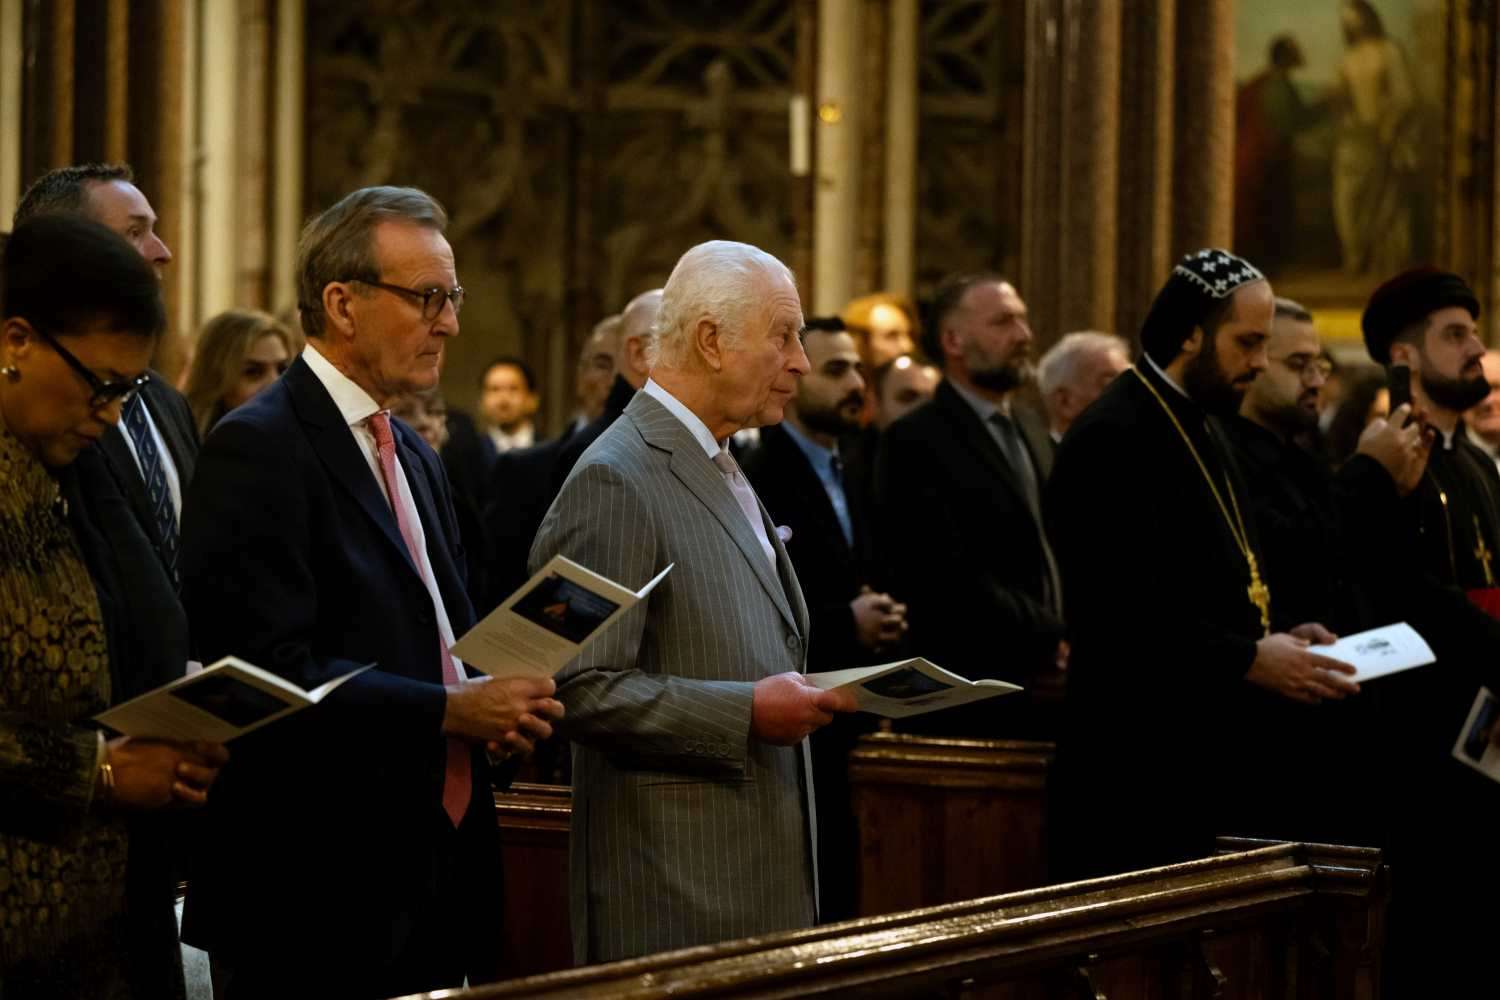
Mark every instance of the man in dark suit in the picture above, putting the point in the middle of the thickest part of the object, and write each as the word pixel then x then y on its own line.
pixel 960 481
pixel 152 451
pixel 526 481
pixel 801 472
pixel 320 537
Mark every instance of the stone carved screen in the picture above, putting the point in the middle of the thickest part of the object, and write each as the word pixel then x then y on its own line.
pixel 579 147
pixel 971 93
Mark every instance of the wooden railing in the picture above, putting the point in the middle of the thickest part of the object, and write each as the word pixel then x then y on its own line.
pixel 1289 921
pixel 943 820
pixel 534 839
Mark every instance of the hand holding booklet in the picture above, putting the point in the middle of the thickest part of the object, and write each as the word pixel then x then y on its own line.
pixel 549 621
pixel 1380 651
pixel 1477 740
pixel 908 687
pixel 218 703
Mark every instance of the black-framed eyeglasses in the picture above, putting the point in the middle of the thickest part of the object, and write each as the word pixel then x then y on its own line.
pixel 102 393
pixel 432 299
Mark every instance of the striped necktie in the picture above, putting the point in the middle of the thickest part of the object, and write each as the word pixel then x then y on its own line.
pixel 163 514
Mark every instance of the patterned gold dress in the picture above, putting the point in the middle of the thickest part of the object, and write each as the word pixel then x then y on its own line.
pixel 62 861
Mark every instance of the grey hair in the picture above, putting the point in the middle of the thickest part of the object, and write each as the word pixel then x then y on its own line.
pixel 1290 309
pixel 339 244
pixel 718 280
pixel 1060 364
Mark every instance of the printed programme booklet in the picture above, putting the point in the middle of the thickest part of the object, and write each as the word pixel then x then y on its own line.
pixel 225 699
pixel 1386 650
pixel 548 622
pixel 1474 747
pixel 909 687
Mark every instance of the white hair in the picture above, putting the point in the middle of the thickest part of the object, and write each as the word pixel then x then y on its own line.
pixel 720 281
pixel 1061 364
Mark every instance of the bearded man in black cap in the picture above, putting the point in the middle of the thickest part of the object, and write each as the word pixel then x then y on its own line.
pixel 1438 561
pixel 1169 613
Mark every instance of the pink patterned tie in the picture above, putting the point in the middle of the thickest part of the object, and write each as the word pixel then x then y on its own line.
pixel 457 784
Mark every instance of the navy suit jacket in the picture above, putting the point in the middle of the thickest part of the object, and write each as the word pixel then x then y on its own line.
pixel 327 827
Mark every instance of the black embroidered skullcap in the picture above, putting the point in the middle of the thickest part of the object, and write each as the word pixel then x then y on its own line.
pixel 1197 286
pixel 1407 299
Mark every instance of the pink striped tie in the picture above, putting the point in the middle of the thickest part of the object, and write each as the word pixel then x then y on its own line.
pixel 457 783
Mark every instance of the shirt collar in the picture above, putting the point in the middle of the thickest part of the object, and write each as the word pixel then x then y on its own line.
pixel 1164 376
pixel 816 453
pixel 981 406
pixel 689 419
pixel 355 405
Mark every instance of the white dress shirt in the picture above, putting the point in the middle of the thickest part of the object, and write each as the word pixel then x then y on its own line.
pixel 356 407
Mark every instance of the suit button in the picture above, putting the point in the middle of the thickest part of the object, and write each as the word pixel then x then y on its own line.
pixel 792 643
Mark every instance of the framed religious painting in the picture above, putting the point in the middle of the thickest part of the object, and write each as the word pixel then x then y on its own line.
pixel 1364 145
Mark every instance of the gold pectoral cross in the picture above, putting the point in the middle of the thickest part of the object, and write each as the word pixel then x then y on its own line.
pixel 1260 595
pixel 1483 554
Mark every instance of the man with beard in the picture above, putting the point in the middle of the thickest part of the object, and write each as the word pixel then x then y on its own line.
pixel 1309 564
pixel 1169 616
pixel 960 513
pixel 1438 560
pixel 802 471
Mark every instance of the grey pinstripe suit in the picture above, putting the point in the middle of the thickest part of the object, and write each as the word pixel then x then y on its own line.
pixel 685 830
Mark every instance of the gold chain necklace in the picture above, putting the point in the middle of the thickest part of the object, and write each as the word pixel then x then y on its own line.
pixel 1258 592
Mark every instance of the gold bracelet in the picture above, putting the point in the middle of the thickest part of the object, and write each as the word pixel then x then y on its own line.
pixel 107 776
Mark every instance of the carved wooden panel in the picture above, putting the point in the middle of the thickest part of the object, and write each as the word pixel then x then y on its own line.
pixel 580 146
pixel 969 172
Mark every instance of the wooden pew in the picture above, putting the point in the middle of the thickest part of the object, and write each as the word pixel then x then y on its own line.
pixel 1290 921
pixel 534 841
pixel 944 820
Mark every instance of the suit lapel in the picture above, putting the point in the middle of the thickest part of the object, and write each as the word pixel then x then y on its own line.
pixel 1038 442
pixel 434 529
pixel 128 474
pixel 334 442
pixel 703 479
pixel 981 441
pixel 785 454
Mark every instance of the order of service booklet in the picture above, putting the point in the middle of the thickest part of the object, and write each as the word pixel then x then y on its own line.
pixel 1386 650
pixel 548 622
pixel 225 699
pixel 1474 747
pixel 908 687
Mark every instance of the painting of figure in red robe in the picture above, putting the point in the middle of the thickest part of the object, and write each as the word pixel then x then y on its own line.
pixel 1338 140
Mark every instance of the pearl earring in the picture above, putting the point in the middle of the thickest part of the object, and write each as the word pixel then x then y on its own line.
pixel 10 372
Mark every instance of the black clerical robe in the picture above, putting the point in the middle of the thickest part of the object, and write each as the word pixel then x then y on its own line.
pixel 1162 627
pixel 1310 559
pixel 1441 819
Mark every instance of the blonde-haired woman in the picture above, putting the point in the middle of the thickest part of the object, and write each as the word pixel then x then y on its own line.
pixel 238 354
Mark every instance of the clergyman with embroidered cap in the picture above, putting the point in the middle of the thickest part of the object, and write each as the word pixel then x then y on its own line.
pixel 693 813
pixel 1170 615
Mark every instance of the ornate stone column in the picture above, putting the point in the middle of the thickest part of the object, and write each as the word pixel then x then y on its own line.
pixel 1203 192
pixel 903 35
pixel 837 154
pixel 1147 130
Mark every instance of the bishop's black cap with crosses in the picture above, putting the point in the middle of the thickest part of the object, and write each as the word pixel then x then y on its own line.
pixel 1197 286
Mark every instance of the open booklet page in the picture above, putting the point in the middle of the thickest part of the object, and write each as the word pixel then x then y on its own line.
pixel 1380 651
pixel 1475 747
pixel 908 687
pixel 226 699
pixel 548 622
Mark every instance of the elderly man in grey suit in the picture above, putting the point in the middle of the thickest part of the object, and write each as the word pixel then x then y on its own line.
pixel 692 797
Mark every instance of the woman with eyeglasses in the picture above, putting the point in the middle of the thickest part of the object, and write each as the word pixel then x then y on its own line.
pixel 239 353
pixel 80 318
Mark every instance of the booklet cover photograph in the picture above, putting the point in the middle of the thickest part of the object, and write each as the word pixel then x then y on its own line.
pixel 230 699
pixel 903 684
pixel 564 608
